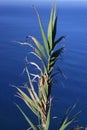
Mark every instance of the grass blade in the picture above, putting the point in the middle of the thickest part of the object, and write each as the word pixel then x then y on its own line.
pixel 66 122
pixel 42 32
pixel 48 117
pixel 38 44
pixel 27 119
pixel 50 30
pixel 41 57
pixel 26 99
pixel 37 66
pixel 54 23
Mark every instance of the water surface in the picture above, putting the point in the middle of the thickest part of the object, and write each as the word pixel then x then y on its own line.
pixel 16 22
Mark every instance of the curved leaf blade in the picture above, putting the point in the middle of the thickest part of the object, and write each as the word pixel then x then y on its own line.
pixel 38 44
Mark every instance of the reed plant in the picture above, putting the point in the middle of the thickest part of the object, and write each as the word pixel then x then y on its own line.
pixel 48 52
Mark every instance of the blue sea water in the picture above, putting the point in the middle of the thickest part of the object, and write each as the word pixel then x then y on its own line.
pixel 17 22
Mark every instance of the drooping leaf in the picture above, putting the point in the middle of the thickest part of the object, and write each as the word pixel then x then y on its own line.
pixel 24 43
pixel 35 111
pixel 26 99
pixel 40 106
pixel 38 102
pixel 31 103
pixel 42 61
pixel 32 88
pixel 41 57
pixel 37 66
pixel 38 44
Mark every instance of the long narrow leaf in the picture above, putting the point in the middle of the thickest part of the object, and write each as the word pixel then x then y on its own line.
pixel 27 119
pixel 37 66
pixel 40 107
pixel 41 57
pixel 38 54
pixel 42 32
pixel 34 106
pixel 54 23
pixel 54 15
pixel 32 88
pixel 66 121
pixel 48 117
pixel 38 44
pixel 50 30
pixel 44 93
pixel 26 98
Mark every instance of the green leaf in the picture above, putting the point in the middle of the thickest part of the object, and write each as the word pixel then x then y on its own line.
pixel 32 88
pixel 38 103
pixel 41 57
pixel 50 30
pixel 54 58
pixel 35 111
pixel 51 65
pixel 54 23
pixel 38 44
pixel 38 55
pixel 27 119
pixel 48 119
pixel 45 92
pixel 66 121
pixel 42 32
pixel 54 15
pixel 26 99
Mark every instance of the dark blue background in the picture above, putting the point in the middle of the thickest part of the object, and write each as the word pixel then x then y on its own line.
pixel 16 22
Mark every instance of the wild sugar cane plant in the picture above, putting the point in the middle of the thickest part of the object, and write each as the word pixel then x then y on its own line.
pixel 48 53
